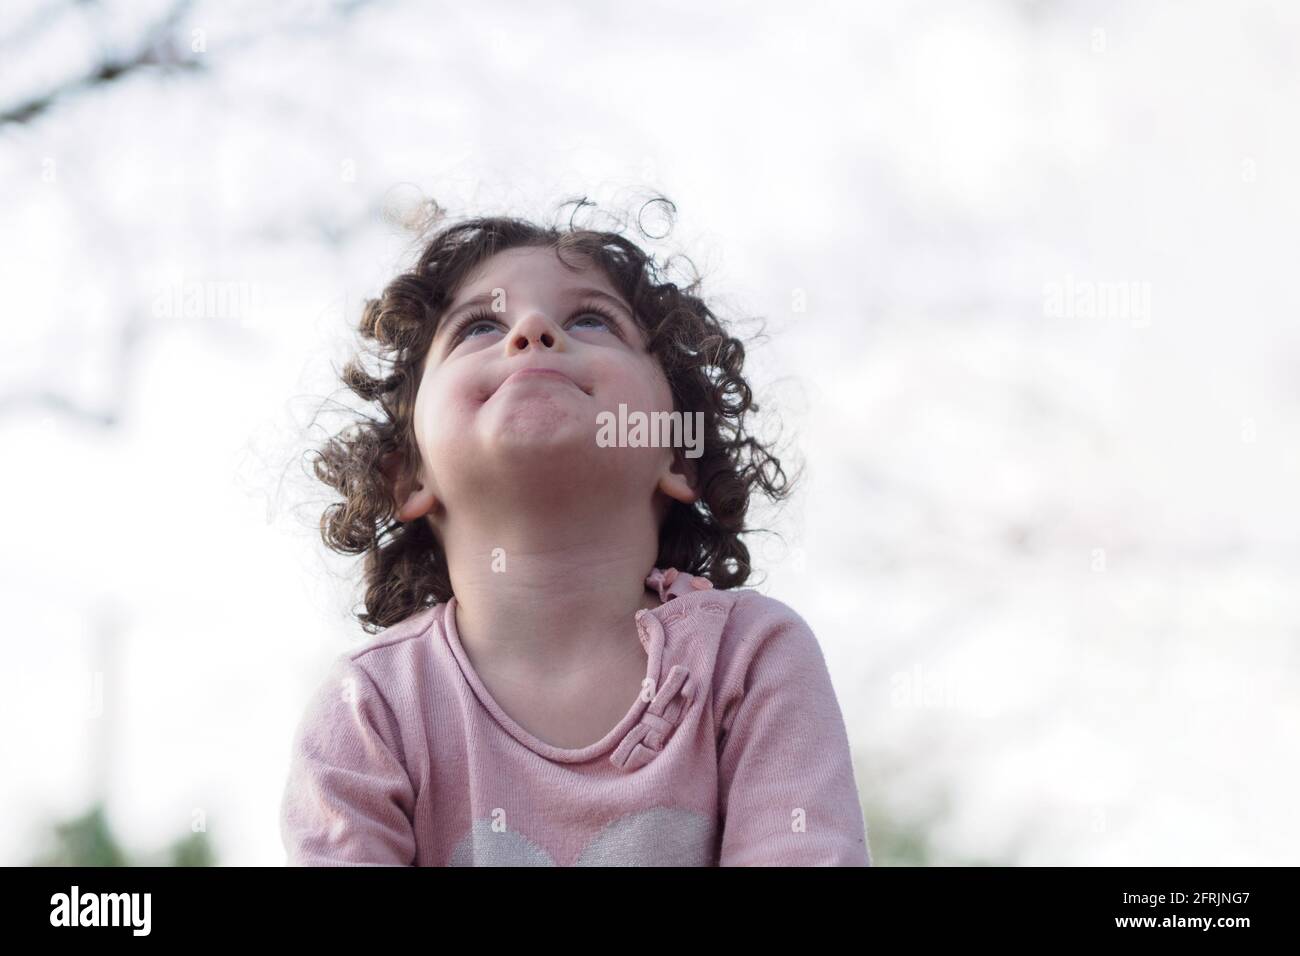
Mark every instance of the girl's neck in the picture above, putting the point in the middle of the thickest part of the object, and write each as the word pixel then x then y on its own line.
pixel 551 597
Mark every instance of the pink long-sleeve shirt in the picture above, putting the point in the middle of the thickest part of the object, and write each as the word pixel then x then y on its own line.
pixel 734 754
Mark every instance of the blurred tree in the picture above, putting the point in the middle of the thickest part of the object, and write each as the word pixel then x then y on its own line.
pixel 906 841
pixel 193 849
pixel 898 842
pixel 88 840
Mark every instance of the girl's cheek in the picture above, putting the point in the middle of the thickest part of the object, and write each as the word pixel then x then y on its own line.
pixel 634 384
pixel 453 395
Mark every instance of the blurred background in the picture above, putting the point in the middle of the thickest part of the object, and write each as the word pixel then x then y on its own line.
pixel 1026 277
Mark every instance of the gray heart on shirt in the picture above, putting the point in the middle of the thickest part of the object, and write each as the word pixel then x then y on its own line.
pixel 660 836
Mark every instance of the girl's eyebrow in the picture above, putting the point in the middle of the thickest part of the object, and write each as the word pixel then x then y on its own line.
pixel 585 293
pixel 622 309
pixel 483 298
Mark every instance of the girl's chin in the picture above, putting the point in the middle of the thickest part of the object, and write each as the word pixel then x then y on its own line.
pixel 537 426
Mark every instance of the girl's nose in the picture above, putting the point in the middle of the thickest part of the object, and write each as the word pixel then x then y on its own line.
pixel 534 331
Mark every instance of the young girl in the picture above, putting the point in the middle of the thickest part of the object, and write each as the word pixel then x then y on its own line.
pixel 569 673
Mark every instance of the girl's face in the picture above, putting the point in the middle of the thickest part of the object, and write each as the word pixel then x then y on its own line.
pixel 526 357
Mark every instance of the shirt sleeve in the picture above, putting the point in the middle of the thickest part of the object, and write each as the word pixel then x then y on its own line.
pixel 787 789
pixel 348 800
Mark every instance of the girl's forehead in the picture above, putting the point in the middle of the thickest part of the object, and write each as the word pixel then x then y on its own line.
pixel 520 267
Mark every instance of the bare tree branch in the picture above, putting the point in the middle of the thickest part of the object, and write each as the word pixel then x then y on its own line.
pixel 160 48
pixel 163 47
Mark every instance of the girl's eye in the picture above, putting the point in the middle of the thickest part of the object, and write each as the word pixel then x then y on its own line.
pixel 473 323
pixel 596 317
pixel 476 320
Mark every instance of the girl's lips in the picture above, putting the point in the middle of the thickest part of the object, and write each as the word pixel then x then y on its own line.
pixel 537 371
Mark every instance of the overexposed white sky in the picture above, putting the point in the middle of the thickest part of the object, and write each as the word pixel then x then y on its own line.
pixel 1050 557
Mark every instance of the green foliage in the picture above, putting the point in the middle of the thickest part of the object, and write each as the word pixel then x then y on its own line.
pixel 88 840
pixel 907 841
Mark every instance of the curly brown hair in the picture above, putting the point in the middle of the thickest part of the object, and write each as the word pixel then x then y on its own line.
pixel 405 567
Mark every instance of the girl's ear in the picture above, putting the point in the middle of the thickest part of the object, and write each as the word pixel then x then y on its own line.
pixel 410 498
pixel 679 478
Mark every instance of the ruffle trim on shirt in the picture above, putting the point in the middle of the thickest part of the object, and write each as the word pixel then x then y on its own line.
pixel 660 719
pixel 673 583
pixel 648 737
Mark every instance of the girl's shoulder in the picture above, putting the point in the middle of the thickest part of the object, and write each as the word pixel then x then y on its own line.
pixel 755 615
pixel 387 665
pixel 746 618
pixel 763 633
